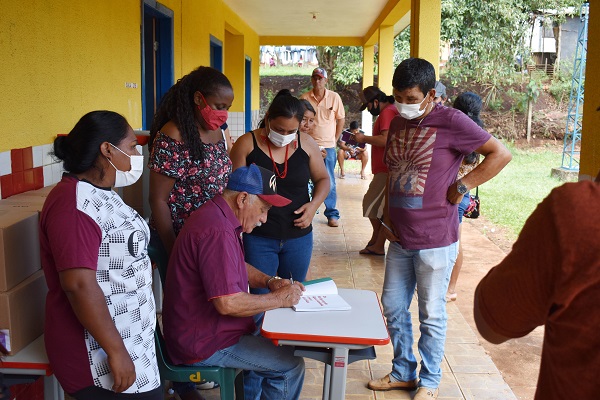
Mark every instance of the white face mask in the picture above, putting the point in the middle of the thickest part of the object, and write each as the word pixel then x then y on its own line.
pixel 280 140
pixel 410 111
pixel 127 178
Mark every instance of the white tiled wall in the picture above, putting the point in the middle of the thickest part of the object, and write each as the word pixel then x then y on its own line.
pixel 237 123
pixel 5 164
pixel 52 169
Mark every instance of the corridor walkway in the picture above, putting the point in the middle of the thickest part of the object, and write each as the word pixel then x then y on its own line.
pixel 469 372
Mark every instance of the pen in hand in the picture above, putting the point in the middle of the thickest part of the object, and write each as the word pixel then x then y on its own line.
pixel 385 225
pixel 291 278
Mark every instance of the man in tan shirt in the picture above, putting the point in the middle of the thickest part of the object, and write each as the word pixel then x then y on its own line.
pixel 329 123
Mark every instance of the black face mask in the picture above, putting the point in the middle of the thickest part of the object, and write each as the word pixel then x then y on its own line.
pixel 375 111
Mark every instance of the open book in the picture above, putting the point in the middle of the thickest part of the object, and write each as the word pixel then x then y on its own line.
pixel 321 295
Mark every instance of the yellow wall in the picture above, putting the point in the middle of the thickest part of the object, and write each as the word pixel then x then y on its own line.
pixel 386 58
pixel 251 49
pixel 425 31
pixel 590 135
pixel 63 58
pixel 368 65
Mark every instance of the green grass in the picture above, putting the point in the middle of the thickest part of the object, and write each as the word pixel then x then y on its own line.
pixel 285 71
pixel 509 198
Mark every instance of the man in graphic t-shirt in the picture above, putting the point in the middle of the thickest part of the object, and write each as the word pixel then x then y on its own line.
pixel 425 147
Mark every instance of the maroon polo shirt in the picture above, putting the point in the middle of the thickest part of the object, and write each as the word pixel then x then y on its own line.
pixel 207 262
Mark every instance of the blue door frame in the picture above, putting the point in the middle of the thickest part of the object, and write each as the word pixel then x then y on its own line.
pixel 248 99
pixel 216 53
pixel 157 57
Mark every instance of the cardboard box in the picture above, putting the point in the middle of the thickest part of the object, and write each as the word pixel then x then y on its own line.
pixel 19 246
pixel 22 312
pixel 27 201
pixel 41 192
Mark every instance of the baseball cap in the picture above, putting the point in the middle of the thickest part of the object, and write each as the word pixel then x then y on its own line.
pixel 440 89
pixel 367 95
pixel 259 181
pixel 320 71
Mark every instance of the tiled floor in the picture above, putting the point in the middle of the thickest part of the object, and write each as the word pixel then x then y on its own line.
pixel 469 372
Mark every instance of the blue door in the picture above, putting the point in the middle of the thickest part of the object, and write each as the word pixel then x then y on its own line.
pixel 157 58
pixel 216 53
pixel 248 99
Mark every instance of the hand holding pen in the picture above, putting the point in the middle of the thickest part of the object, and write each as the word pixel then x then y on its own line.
pixel 390 234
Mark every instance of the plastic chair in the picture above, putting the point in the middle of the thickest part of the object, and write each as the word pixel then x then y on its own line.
pixel 230 386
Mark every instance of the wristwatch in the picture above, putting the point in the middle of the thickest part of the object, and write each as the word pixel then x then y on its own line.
pixel 272 278
pixel 461 188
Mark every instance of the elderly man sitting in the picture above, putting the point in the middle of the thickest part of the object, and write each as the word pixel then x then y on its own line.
pixel 207 311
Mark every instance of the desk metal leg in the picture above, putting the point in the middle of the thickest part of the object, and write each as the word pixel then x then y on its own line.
pixel 326 381
pixel 339 370
pixel 52 389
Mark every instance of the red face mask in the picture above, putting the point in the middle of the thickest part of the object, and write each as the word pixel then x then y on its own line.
pixel 213 118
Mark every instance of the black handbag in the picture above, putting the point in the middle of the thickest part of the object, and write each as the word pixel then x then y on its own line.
pixel 472 210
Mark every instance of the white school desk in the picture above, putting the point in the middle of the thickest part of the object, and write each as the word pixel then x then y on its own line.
pixel 32 360
pixel 340 331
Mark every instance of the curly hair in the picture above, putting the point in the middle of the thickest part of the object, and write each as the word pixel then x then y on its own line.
pixel 470 104
pixel 178 106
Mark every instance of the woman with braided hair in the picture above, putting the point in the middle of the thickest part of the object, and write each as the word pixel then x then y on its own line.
pixel 189 151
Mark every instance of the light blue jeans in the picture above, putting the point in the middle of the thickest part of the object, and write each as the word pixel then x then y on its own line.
pixel 288 258
pixel 281 371
pixel 429 270
pixel 330 211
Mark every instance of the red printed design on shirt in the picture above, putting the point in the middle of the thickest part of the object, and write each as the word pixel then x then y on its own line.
pixel 409 159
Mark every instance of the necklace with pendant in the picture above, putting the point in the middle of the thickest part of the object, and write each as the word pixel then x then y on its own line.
pixel 285 163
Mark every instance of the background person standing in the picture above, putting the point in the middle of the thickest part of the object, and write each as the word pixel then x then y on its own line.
pixel 380 105
pixel 329 123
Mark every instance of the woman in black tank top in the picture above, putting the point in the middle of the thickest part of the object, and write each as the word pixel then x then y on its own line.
pixel 283 245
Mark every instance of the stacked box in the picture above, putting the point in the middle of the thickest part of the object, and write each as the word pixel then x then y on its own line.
pixel 22 284
pixel 19 246
pixel 27 201
pixel 22 312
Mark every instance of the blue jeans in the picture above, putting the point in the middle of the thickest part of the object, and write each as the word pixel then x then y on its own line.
pixel 429 270
pixel 281 372
pixel 330 211
pixel 288 258
pixel 463 205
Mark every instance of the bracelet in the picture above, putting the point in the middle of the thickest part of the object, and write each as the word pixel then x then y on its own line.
pixel 271 278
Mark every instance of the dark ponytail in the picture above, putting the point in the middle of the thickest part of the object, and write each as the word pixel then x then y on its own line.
pixel 80 149
pixel 284 105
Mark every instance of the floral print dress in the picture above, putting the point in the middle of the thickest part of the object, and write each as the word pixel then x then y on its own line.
pixel 196 182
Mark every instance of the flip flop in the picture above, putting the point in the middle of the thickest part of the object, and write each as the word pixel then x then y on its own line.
pixel 451 297
pixel 368 252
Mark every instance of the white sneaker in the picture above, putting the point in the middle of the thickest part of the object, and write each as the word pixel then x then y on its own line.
pixel 207 385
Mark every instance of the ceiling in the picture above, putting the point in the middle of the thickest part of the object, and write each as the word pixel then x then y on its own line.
pixel 333 18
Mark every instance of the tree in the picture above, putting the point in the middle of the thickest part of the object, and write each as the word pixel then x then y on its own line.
pixel 486 36
pixel 402 46
pixel 342 63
